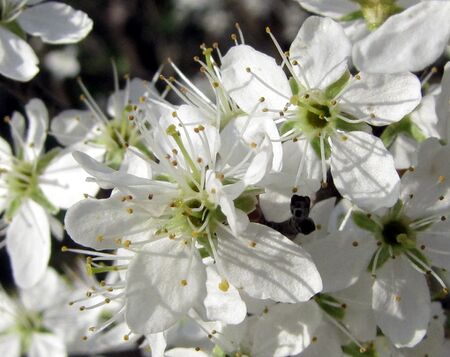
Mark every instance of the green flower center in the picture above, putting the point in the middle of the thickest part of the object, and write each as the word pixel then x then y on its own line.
pixel 396 232
pixel 22 179
pixel 374 12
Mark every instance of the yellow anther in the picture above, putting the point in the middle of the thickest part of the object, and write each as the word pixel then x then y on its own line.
pixel 129 210
pixel 441 179
pixel 252 244
pixel 224 285
pixel 253 145
pixel 64 248
pixel 397 298
pixel 183 282
pixel 358 77
pixel 268 29
pixel 127 243
pixel 100 238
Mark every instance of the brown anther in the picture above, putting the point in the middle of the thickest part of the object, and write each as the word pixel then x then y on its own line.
pixel 175 151
pixel 397 298
pixel 294 189
pixel 443 218
pixel 324 184
pixel 252 244
pixel 150 196
pixel 355 243
pixel 314 339
pixel 174 162
pixel 197 349
pixel 261 99
pixel 422 247
pixel 248 69
pixel 319 226
pixel 84 338
pixel 82 308
pixel 441 198
pixel 107 300
pixel 129 210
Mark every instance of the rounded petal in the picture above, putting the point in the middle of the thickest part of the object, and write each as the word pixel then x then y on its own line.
pixel 330 8
pixel 165 279
pixel 265 264
pixel 98 223
pixel 381 98
pixel 72 126
pixel 286 329
pixel 28 244
pixel 265 79
pixel 401 302
pixel 322 50
pixel 55 22
pixel 223 302
pixel 363 170
pixel 339 271
pixel 64 180
pixel 37 115
pixel 17 59
pixel 408 41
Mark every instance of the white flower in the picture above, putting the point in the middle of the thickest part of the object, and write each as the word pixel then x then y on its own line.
pixel 327 109
pixel 397 245
pixel 40 322
pixel 63 63
pixel 390 36
pixel 190 202
pixel 53 22
pixel 96 130
pixel 33 186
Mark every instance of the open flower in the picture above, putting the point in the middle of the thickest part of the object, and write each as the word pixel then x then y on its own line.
pixel 33 186
pixel 396 245
pixel 190 203
pixel 390 36
pixel 53 22
pixel 326 109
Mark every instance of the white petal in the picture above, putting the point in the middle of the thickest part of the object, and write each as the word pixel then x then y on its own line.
pixel 224 304
pixel 330 8
pixel 275 202
pixel 46 344
pixel 404 150
pixel 165 279
pixel 359 316
pixel 387 97
pixel 106 177
pixel 327 343
pixel 392 47
pixel 18 134
pixel 429 183
pixel 72 126
pixel 265 264
pixel 10 345
pixel 48 291
pixel 186 352
pixel 436 244
pixel 401 302
pixel 28 243
pixel 443 103
pixel 322 50
pixel 64 180
pixel 17 59
pixel 363 170
pixel 266 79
pixel 55 23
pixel 286 329
pixel 157 343
pixel 98 223
pixel 37 115
pixel 338 271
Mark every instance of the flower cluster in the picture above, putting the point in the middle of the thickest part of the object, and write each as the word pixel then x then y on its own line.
pixel 301 207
